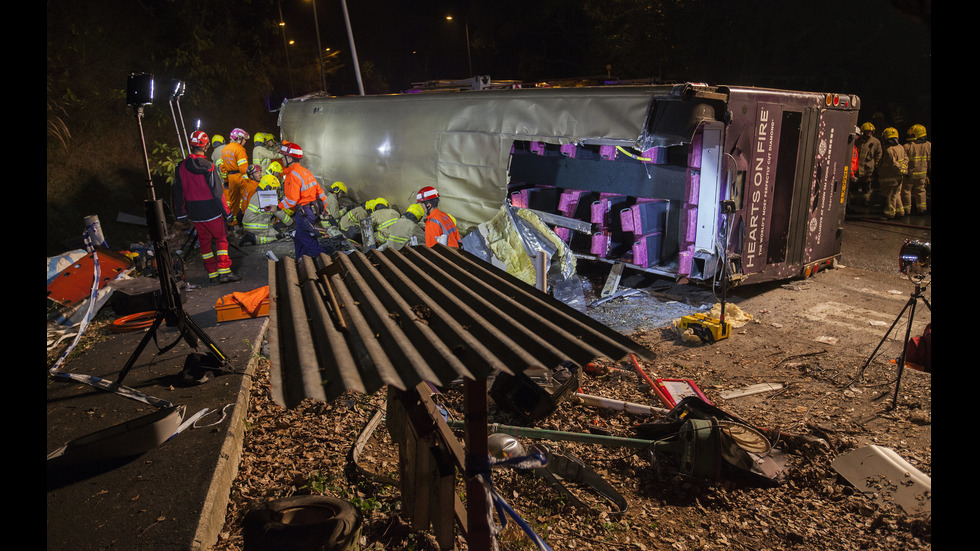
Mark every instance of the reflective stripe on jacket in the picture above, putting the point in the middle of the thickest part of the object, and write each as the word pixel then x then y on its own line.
pixel 234 161
pixel 920 155
pixel 300 187
pixel 440 224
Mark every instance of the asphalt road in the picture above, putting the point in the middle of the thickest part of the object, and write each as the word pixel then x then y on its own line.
pixel 875 245
pixel 174 496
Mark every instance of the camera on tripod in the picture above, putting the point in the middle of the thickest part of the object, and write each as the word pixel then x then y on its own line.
pixel 915 260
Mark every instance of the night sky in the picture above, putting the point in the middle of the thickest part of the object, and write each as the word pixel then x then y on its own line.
pixel 878 49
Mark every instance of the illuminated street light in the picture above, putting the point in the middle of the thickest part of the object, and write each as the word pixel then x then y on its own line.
pixel 466 27
pixel 285 46
pixel 323 75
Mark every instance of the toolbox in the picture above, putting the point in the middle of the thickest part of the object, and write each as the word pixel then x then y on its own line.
pixel 230 309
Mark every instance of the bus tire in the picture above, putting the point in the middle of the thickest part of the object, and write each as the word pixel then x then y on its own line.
pixel 302 523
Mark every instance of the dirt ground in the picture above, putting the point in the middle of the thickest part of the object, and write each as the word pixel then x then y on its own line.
pixel 812 339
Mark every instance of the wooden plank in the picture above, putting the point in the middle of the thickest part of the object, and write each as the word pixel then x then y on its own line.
pixel 443 492
pixel 422 484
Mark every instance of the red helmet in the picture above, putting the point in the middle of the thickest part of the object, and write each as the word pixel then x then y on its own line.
pixel 426 193
pixel 292 150
pixel 200 139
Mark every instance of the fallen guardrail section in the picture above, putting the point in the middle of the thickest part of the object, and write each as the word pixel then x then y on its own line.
pixel 360 321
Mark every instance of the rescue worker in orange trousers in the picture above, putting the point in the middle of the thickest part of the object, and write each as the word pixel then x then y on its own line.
pixel 234 161
pixel 439 226
pixel 197 196
pixel 303 195
pixel 894 165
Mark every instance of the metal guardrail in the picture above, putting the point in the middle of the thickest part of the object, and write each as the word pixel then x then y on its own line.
pixel 360 321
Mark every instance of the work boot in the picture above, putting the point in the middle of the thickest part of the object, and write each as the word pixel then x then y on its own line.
pixel 229 278
pixel 248 239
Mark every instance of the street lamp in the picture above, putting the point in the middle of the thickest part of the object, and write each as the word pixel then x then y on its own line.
pixel 285 46
pixel 466 27
pixel 323 75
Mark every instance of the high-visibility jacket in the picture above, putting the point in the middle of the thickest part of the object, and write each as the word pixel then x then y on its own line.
pixel 261 223
pixel 920 155
pixel 854 161
pixel 263 156
pixel 894 163
pixel 300 187
pixel 398 234
pixel 381 220
pixel 216 160
pixel 440 225
pixel 869 155
pixel 353 217
pixel 234 162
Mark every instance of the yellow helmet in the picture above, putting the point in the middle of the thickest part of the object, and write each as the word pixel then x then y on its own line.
pixel 274 167
pixel 369 204
pixel 889 133
pixel 216 139
pixel 380 201
pixel 259 137
pixel 417 210
pixel 918 131
pixel 867 126
pixel 338 187
pixel 269 182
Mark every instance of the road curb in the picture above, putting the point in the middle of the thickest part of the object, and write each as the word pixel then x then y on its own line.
pixel 215 507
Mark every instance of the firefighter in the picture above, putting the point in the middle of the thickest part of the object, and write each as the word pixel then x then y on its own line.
pixel 350 222
pixel 260 224
pixel 235 164
pixel 197 196
pixel 919 152
pixel 301 194
pixel 401 232
pixel 218 143
pixel 332 207
pixel 382 218
pixel 439 226
pixel 338 201
pixel 893 167
pixel 869 155
pixel 264 151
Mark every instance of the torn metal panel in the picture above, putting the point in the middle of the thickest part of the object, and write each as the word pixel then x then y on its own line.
pixel 360 321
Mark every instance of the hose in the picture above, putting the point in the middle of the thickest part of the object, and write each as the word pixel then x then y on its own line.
pixel 134 322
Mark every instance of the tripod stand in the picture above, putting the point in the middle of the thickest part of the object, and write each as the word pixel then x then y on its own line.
pixel 910 306
pixel 169 308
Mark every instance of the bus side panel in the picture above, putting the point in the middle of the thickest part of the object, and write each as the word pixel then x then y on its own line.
pixel 826 217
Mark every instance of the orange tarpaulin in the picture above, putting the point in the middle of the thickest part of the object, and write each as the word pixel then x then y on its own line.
pixel 251 300
pixel 241 305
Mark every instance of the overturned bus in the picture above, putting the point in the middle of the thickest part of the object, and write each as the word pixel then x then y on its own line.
pixel 669 179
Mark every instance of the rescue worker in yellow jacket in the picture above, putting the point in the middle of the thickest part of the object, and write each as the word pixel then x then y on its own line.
pixel 260 224
pixel 218 143
pixel 338 202
pixel 869 155
pixel 403 230
pixel 894 165
pixel 350 222
pixel 264 153
pixel 382 217
pixel 919 151
pixel 234 161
